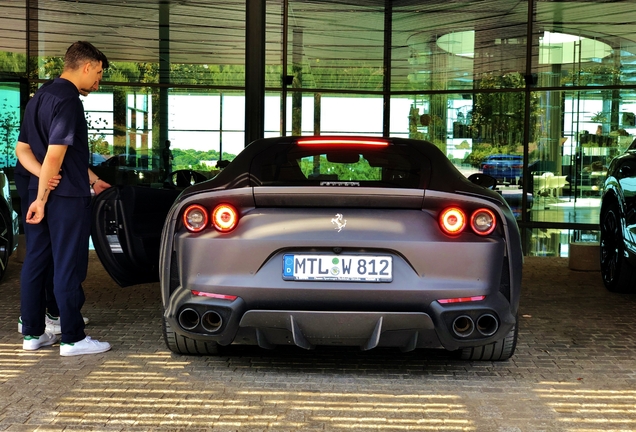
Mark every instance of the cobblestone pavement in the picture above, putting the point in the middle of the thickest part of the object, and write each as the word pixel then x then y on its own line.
pixel 574 370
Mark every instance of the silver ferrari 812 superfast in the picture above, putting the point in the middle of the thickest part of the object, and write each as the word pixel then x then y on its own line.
pixel 325 240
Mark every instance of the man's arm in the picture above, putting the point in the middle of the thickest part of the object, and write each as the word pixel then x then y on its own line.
pixel 97 184
pixel 31 164
pixel 27 158
pixel 50 168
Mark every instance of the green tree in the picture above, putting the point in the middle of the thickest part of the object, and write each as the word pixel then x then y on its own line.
pixel 9 130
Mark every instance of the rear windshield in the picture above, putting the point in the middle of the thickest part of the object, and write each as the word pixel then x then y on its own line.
pixel 293 165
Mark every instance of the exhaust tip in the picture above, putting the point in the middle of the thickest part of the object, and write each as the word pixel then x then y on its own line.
pixel 487 324
pixel 189 319
pixel 211 321
pixel 463 326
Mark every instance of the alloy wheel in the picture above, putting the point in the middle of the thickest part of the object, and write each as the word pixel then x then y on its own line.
pixel 611 247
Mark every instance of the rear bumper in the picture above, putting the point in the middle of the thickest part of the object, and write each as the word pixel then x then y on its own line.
pixel 432 327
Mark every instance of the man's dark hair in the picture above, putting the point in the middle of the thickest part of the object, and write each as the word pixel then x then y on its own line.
pixel 81 52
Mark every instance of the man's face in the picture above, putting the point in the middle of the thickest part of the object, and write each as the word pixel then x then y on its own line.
pixel 87 91
pixel 94 75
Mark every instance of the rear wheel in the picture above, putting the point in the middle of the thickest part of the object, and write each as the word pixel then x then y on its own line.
pixel 185 345
pixel 500 350
pixel 618 275
pixel 5 242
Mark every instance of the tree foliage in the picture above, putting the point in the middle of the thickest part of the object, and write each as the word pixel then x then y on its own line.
pixel 191 159
pixel 9 130
pixel 358 171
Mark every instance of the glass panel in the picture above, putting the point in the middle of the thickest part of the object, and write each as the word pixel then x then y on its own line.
pixel 274 28
pixel 571 49
pixel 451 46
pixel 9 123
pixel 205 127
pixel 334 115
pixel 332 45
pixel 124 139
pixel 579 133
pixel 480 132
pixel 186 43
pixel 547 242
pixel 13 37
pixel 272 115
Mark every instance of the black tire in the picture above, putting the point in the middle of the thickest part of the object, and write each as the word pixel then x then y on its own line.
pixel 500 350
pixel 618 275
pixel 183 345
pixel 5 242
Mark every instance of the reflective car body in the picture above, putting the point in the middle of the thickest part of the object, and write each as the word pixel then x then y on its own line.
pixel 325 241
pixel 9 224
pixel 618 224
pixel 508 168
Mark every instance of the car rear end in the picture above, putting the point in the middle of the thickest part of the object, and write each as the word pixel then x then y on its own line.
pixel 507 168
pixel 374 243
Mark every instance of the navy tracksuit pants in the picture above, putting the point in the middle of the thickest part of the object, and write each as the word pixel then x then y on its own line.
pixel 22 186
pixel 62 236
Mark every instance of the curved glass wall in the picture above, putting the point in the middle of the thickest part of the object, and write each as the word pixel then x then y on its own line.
pixel 544 86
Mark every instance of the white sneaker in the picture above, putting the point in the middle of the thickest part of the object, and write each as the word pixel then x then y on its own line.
pixel 31 343
pixel 85 346
pixel 52 324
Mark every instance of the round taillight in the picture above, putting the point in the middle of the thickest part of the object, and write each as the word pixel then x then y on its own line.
pixel 452 220
pixel 195 218
pixel 224 217
pixel 483 221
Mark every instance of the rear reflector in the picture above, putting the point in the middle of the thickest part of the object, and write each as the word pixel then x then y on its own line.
pixel 462 299
pixel 343 141
pixel 213 295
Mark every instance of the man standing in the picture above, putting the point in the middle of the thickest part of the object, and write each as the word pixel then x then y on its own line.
pixel 54 127
pixel 167 159
pixel 27 166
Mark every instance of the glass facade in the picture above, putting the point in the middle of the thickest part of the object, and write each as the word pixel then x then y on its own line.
pixel 545 88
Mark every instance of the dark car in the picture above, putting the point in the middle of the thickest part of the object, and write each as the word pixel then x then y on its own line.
pixel 312 241
pixel 9 225
pixel 618 224
pixel 504 167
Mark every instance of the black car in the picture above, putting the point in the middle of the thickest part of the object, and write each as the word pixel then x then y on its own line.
pixel 618 224
pixel 310 241
pixel 9 225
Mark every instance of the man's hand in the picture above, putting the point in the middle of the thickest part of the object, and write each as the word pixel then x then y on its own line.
pixel 100 186
pixel 35 214
pixel 54 181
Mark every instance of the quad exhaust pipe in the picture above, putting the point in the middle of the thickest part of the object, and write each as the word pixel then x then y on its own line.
pixel 487 325
pixel 189 319
pixel 464 326
pixel 211 321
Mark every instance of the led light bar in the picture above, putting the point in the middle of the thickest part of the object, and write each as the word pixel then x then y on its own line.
pixel 462 299
pixel 213 295
pixel 342 141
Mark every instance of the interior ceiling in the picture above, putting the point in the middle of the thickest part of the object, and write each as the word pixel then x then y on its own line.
pixel 213 32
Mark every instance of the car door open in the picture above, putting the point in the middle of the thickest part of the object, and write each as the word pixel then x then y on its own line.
pixel 126 230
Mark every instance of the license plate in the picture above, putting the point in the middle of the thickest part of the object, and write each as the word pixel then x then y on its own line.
pixel 366 268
